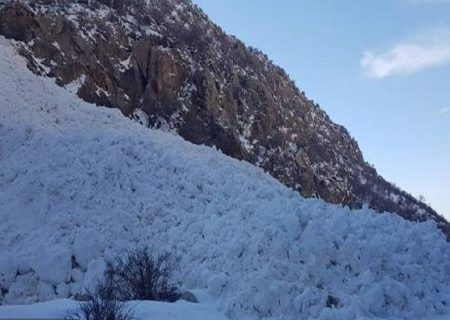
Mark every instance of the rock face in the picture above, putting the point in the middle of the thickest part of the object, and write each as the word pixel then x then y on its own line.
pixel 165 64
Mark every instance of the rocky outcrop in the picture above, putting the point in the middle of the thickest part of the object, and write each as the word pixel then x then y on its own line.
pixel 164 63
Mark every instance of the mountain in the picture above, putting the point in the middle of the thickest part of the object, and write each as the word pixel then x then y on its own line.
pixel 81 185
pixel 164 63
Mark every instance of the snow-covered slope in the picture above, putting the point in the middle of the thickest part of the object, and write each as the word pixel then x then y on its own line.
pixel 80 184
pixel 166 61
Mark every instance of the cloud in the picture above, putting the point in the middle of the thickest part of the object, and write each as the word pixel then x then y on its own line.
pixel 425 50
pixel 444 111
pixel 429 1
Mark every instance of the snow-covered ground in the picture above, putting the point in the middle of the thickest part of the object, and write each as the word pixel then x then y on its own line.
pixel 80 184
pixel 60 309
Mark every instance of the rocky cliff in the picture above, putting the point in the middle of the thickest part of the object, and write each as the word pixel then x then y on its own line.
pixel 165 64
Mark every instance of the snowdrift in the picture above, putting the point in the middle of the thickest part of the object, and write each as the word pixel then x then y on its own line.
pixel 80 184
pixel 59 309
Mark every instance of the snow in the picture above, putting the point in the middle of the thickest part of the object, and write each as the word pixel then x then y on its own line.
pixel 99 92
pixel 75 85
pixel 59 309
pixel 81 184
pixel 41 65
pixel 125 64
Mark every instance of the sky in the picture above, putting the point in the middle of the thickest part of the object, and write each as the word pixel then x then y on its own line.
pixel 380 68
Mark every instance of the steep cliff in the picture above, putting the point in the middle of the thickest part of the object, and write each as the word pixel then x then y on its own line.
pixel 164 63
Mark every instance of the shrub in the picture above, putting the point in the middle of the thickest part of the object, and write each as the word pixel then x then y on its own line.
pixel 143 275
pixel 102 304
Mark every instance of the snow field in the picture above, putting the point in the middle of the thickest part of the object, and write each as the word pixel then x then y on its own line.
pixel 59 309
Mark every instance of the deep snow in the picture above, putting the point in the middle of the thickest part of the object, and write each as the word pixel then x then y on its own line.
pixel 60 309
pixel 80 184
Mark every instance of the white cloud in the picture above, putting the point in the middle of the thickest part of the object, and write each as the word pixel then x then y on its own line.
pixel 444 111
pixel 429 1
pixel 423 51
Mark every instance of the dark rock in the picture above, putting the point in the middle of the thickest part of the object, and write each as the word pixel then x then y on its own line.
pixel 81 297
pixel 332 302
pixel 189 297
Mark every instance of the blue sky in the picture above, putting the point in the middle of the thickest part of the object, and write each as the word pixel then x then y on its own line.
pixel 380 68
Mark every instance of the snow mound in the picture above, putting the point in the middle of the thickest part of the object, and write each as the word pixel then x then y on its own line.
pixel 81 184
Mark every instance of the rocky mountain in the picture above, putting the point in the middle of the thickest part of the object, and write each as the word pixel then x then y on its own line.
pixel 164 63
